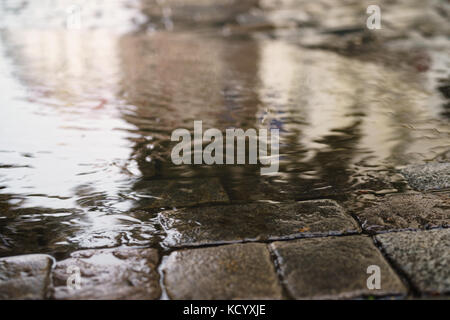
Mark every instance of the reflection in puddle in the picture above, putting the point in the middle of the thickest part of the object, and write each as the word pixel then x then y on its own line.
pixel 86 118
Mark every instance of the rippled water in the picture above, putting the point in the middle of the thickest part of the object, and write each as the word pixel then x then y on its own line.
pixel 86 118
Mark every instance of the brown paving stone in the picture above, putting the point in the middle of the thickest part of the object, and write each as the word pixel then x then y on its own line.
pixel 122 273
pixel 333 268
pixel 405 211
pixel 424 256
pixel 25 277
pixel 256 221
pixel 237 271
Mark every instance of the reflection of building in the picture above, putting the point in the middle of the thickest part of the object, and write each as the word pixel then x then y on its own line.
pixel 65 164
pixel 321 95
pixel 173 79
pixel 70 127
pixel 73 65
pixel 85 14
pixel 179 14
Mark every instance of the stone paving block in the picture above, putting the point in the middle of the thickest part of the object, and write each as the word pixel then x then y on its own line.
pixel 237 271
pixel 430 176
pixel 25 277
pixel 333 268
pixel 424 257
pixel 122 273
pixel 179 193
pixel 256 221
pixel 405 211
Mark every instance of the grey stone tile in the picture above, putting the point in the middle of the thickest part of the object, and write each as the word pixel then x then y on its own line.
pixel 256 221
pixel 430 176
pixel 405 211
pixel 333 268
pixel 122 273
pixel 179 193
pixel 25 277
pixel 237 271
pixel 424 256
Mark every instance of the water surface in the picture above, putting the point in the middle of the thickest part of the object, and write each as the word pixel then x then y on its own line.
pixel 86 117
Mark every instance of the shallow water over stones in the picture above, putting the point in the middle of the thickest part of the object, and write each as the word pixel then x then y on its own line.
pixel 86 118
pixel 256 221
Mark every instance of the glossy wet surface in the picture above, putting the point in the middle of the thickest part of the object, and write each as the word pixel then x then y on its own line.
pixel 86 118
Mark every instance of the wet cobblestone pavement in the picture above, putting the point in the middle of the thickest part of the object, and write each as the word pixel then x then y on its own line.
pixel 311 262
pixel 87 186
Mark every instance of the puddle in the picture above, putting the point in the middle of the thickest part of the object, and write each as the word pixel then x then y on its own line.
pixel 86 117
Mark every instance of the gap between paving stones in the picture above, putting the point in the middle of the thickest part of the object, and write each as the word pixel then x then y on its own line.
pixel 413 290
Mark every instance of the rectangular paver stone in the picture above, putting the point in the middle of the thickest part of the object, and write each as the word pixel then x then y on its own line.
pixel 424 257
pixel 122 273
pixel 237 271
pixel 25 277
pixel 256 221
pixel 333 268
